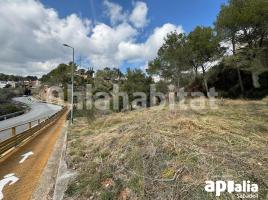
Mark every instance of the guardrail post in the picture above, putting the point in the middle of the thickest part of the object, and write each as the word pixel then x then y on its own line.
pixel 14 135
pixel 30 125
pixel 13 131
pixel 39 121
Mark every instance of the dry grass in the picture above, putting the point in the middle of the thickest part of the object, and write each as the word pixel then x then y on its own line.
pixel 156 154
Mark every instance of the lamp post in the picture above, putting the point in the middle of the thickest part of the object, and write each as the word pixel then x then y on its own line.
pixel 72 71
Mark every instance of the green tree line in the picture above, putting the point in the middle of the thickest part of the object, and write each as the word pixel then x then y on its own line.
pixel 6 77
pixel 237 44
pixel 241 24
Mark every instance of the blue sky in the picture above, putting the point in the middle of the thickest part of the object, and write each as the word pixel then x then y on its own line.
pixel 188 13
pixel 105 33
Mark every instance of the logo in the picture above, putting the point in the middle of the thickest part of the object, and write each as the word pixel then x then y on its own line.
pixel 230 186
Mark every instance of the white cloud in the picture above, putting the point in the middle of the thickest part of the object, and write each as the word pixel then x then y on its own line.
pixel 104 43
pixel 114 12
pixel 139 15
pixel 31 38
pixel 31 34
pixel 147 50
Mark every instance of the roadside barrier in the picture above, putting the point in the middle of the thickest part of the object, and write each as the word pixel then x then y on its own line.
pixel 17 139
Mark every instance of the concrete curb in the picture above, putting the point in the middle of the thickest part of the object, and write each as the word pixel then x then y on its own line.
pixel 64 175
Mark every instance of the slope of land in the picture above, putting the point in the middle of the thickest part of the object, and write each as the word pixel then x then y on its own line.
pixel 158 154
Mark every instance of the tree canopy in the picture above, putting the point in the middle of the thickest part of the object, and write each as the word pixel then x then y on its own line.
pixel 171 58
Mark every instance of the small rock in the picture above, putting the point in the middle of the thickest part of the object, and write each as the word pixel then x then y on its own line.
pixel 107 183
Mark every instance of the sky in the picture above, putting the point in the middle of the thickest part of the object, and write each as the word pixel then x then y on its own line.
pixel 104 33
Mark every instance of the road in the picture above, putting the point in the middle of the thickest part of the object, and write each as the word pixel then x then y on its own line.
pixel 24 166
pixel 37 110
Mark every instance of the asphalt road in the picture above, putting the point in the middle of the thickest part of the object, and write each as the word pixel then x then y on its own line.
pixel 38 110
pixel 19 177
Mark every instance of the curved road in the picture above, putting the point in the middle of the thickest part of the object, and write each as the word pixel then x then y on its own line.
pixel 25 174
pixel 38 110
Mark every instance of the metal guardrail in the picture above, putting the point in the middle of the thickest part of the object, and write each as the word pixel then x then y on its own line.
pixel 17 129
pixel 16 139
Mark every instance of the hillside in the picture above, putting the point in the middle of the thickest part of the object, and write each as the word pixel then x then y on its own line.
pixel 156 154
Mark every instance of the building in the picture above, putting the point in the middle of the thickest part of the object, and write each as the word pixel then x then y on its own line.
pixel 13 84
pixel 3 84
pixel 35 83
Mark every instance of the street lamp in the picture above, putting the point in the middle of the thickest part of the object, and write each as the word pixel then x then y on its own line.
pixel 72 99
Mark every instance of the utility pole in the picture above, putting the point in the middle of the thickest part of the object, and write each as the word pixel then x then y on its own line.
pixel 72 84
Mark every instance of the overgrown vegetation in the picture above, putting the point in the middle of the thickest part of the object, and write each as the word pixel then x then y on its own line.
pixel 6 95
pixel 156 154
pixel 239 41
pixel 5 77
pixel 8 108
pixel 62 75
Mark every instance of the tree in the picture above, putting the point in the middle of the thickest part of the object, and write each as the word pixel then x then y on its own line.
pixel 171 59
pixel 227 27
pixel 5 77
pixel 243 22
pixel 252 19
pixel 204 44
pixel 105 78
pixel 136 81
pixel 61 74
pixel 162 86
